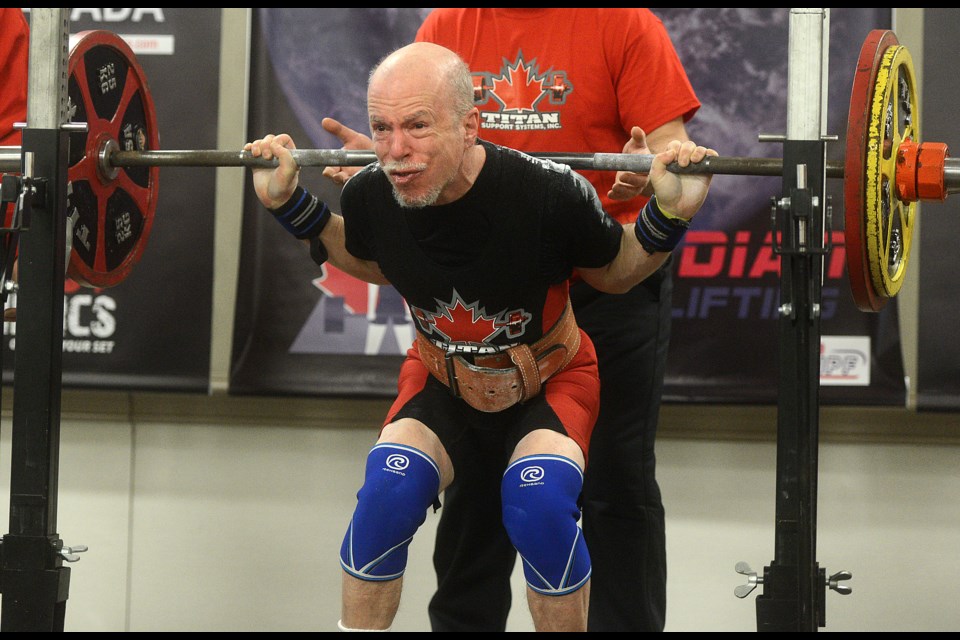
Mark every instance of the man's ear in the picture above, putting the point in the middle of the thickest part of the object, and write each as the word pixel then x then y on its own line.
pixel 471 126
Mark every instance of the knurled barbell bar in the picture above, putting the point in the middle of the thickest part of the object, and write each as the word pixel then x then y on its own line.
pixel 114 165
pixel 112 160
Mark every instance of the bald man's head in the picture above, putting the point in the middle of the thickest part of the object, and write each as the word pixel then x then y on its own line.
pixel 429 64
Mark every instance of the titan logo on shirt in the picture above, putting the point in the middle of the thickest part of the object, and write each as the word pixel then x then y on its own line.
pixel 518 96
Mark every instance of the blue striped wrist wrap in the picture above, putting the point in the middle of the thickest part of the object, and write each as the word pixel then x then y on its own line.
pixel 303 215
pixel 658 232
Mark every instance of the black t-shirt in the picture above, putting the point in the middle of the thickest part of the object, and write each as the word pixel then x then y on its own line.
pixel 479 269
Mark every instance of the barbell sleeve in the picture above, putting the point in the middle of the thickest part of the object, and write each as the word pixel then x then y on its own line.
pixel 10 159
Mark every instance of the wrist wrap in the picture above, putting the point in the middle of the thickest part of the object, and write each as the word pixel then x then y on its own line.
pixel 658 231
pixel 303 215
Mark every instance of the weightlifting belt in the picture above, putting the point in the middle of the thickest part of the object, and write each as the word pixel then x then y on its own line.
pixel 497 381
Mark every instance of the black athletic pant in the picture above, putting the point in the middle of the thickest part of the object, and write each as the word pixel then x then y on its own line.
pixel 623 516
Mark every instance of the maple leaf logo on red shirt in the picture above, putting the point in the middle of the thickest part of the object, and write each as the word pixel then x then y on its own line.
pixel 518 93
pixel 520 86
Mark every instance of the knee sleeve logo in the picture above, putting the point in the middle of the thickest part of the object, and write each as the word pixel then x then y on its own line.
pixel 397 462
pixel 532 475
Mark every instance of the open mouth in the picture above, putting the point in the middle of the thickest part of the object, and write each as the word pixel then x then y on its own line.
pixel 404 176
pixel 402 173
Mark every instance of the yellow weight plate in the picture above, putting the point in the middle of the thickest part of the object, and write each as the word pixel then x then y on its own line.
pixel 894 117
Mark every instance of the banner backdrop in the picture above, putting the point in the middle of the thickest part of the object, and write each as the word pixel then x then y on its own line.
pixel 152 330
pixel 303 329
pixel 726 334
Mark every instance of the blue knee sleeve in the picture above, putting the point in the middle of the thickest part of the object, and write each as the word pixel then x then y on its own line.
pixel 540 515
pixel 400 485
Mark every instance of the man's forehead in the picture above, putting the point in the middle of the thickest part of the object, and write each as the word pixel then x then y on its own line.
pixel 405 82
pixel 404 101
pixel 400 114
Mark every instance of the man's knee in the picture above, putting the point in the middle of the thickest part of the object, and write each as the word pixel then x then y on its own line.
pixel 540 514
pixel 400 485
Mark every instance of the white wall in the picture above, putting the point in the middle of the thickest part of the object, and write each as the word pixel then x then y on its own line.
pixel 216 514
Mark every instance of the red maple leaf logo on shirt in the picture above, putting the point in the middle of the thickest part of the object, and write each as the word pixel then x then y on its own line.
pixel 459 322
pixel 464 324
pixel 518 88
pixel 521 88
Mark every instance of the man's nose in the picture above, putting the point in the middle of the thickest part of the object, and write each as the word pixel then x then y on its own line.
pixel 399 146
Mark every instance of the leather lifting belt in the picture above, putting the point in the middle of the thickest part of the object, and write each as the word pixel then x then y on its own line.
pixel 497 381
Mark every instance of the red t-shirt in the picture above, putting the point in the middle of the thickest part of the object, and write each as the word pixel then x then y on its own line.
pixel 568 80
pixel 14 53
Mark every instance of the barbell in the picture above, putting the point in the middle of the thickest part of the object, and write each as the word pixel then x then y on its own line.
pixel 113 175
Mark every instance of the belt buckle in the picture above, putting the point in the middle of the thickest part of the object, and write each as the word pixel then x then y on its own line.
pixel 451 373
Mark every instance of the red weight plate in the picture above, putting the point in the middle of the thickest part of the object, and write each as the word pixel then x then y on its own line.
pixel 112 208
pixel 854 172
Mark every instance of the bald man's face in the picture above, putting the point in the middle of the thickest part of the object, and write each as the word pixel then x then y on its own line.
pixel 419 142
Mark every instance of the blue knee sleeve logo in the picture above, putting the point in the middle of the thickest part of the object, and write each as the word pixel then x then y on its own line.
pixel 540 515
pixel 400 485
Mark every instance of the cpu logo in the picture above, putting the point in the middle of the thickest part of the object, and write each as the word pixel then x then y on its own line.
pixel 845 360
